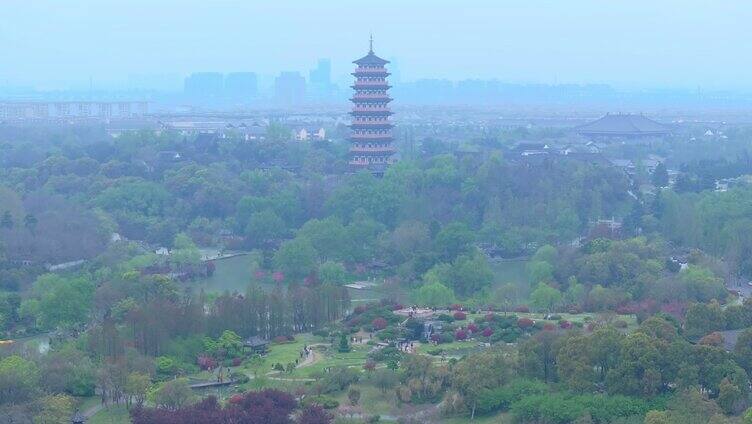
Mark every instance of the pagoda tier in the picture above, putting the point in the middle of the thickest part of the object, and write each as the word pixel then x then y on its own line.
pixel 371 129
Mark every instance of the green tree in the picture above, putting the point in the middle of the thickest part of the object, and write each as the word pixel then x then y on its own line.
pixel 702 319
pixel 19 379
pixel 56 409
pixel 173 394
pixel 332 273
pixel 58 301
pixel 185 251
pixel 730 396
pixel 384 379
pixel 434 294
pixel 545 297
pixel 470 273
pixel 265 226
pixel 453 240
pixel 660 175
pixel 137 386
pixel 296 258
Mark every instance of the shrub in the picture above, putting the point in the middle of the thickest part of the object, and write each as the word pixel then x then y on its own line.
pixel 521 309
pixel 239 378
pixel 359 309
pixel 473 328
pixel 554 317
pixel 460 334
pixel 487 332
pixel 445 318
pixel 459 316
pixel 713 339
pixel 447 338
pixel 436 337
pixel 206 362
pixel 326 402
pixel 501 398
pixel 280 339
pixel 564 324
pixel 379 323
pixel 456 307
pixel 548 327
pixel 525 323
pixel 236 362
pixel 620 323
pixel 435 352
pixel 490 317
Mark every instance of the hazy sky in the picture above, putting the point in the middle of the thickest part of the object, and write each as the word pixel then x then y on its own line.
pixel 674 43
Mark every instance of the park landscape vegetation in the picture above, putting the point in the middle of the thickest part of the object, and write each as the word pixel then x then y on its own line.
pixel 592 326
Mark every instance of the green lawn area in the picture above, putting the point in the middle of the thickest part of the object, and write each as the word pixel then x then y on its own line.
pixel 332 358
pixel 283 353
pixel 113 415
pixel 450 349
pixel 491 419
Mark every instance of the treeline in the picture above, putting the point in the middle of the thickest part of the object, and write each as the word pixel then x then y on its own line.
pixel 634 373
pixel 159 314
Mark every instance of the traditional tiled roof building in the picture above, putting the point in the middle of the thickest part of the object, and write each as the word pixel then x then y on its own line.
pixel 371 130
pixel 623 126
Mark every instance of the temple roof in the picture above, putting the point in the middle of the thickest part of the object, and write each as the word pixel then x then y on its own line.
pixel 623 124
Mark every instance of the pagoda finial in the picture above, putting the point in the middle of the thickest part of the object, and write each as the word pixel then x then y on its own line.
pixel 370 45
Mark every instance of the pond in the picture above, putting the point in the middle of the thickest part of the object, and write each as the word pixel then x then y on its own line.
pixel 234 274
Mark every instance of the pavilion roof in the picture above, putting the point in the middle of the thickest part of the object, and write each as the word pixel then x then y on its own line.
pixel 371 59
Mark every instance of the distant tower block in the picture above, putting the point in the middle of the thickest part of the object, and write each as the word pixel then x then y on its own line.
pixel 371 130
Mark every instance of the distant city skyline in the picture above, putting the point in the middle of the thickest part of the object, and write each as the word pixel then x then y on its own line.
pixel 675 44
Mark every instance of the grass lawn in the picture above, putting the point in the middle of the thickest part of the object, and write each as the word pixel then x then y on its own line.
pixel 113 415
pixel 491 419
pixel 282 353
pixel 449 349
pixel 332 358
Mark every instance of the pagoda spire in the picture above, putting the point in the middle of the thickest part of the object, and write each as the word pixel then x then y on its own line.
pixel 370 44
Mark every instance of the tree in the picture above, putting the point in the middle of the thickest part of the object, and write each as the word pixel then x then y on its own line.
pixel 660 175
pixel 384 379
pixel 453 240
pixel 344 345
pixel 56 409
pixel 264 226
pixel 702 319
pixel 471 376
pixel 296 258
pixel 434 294
pixel 185 251
pixel 173 394
pixel 315 414
pixel 137 385
pixel 730 397
pixel 743 350
pixel 58 301
pixel 353 396
pixel 545 297
pixel 30 222
pixel 19 379
pixel 470 273
pixel 332 273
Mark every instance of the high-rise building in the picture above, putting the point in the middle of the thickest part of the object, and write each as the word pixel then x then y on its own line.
pixel 322 75
pixel 371 130
pixel 241 86
pixel 204 85
pixel 320 80
pixel 289 88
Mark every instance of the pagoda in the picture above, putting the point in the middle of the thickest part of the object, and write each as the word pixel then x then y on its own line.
pixel 371 131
